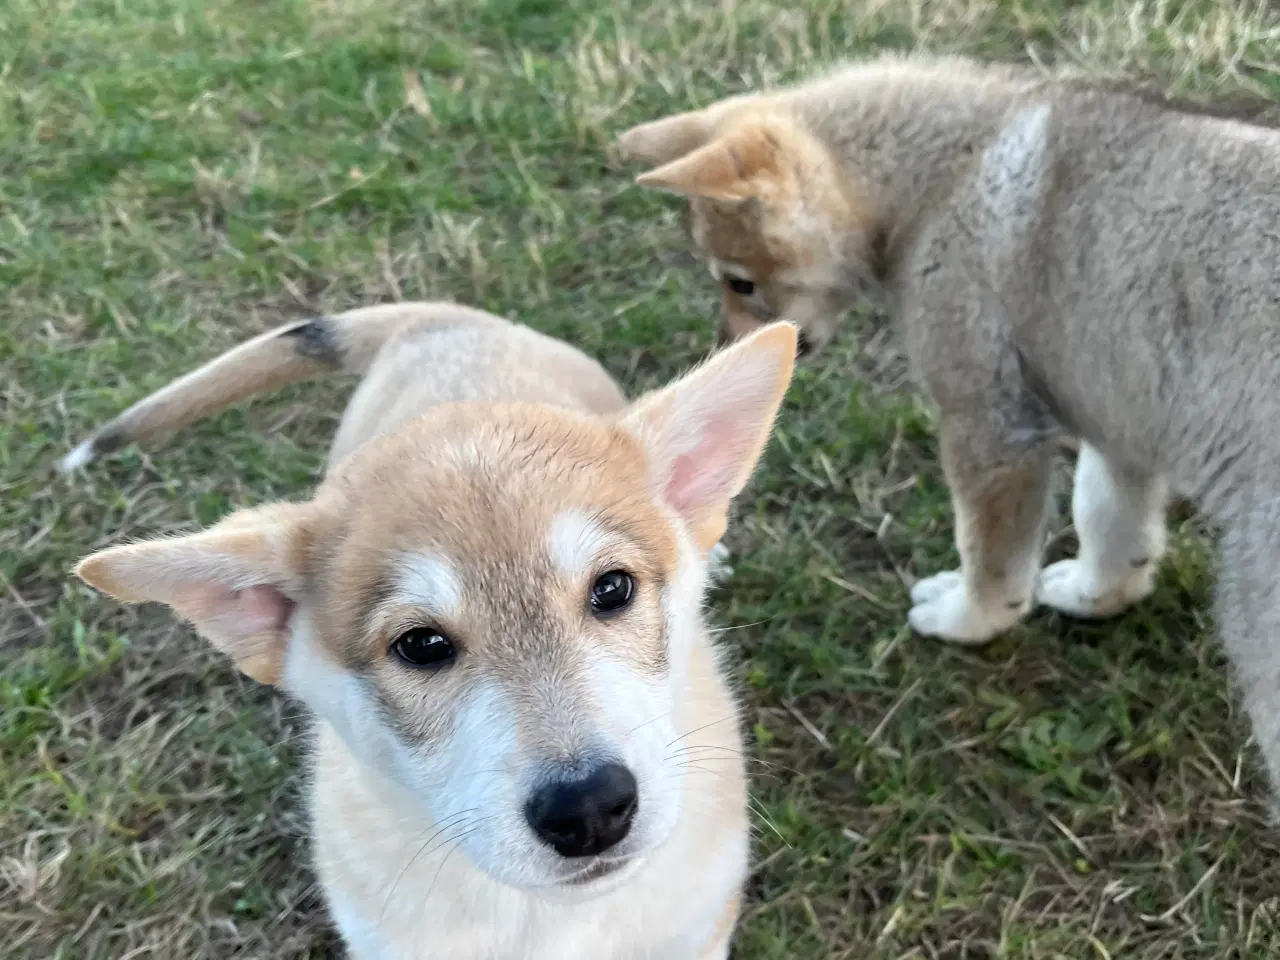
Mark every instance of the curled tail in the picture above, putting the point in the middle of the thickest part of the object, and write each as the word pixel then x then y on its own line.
pixel 298 351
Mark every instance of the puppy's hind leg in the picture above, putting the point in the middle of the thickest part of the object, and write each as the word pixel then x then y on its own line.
pixel 1000 496
pixel 1248 618
pixel 1120 522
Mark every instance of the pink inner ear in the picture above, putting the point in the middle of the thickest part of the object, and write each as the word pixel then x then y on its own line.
pixel 265 607
pixel 701 477
pixel 236 613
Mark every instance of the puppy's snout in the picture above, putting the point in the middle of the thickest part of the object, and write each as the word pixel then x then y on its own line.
pixel 582 818
pixel 803 346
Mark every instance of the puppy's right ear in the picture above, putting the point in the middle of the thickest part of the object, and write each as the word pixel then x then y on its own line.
pixel 237 583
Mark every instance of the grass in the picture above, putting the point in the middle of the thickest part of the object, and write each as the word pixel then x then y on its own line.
pixel 176 175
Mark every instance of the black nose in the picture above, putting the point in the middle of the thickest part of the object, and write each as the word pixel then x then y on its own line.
pixel 581 818
pixel 803 345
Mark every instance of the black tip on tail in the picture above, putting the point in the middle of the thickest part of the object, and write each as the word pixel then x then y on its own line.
pixel 314 340
pixel 107 440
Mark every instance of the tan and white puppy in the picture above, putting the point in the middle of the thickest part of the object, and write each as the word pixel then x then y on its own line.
pixel 525 744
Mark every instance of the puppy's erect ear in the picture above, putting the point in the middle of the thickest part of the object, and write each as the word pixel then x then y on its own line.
pixel 662 140
pixel 704 434
pixel 237 583
pixel 746 163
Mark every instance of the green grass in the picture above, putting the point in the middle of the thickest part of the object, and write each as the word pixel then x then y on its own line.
pixel 176 175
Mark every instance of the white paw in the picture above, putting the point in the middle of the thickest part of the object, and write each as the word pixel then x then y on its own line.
pixel 1075 589
pixel 943 609
pixel 718 568
pixel 932 587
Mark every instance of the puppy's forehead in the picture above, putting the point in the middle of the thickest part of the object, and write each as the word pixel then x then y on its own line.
pixel 801 249
pixel 575 539
pixel 533 490
pixel 563 549
pixel 748 238
pixel 733 236
pixel 499 515
pixel 427 579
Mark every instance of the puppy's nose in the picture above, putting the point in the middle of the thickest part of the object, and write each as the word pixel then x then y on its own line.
pixel 803 346
pixel 581 818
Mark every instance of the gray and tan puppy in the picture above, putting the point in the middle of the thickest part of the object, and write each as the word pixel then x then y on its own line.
pixel 1060 257
pixel 526 745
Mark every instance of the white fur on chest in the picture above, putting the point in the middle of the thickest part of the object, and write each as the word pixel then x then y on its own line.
pixel 397 891
pixel 669 915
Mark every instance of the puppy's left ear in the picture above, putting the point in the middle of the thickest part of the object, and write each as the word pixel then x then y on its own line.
pixel 704 434
pixel 660 141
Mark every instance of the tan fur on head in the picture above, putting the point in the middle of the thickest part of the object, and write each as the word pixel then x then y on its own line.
pixel 748 162
pixel 771 206
pixel 763 158
pixel 667 139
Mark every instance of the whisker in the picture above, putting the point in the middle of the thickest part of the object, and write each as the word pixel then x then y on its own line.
pixel 754 805
pixel 724 752
pixel 683 770
pixel 705 726
pixel 767 766
pixel 716 806
pixel 448 824
pixel 716 631
pixel 647 722
pixel 685 758
pixel 468 830
pixel 694 768
pixel 706 746
pixel 457 842
pixel 697 764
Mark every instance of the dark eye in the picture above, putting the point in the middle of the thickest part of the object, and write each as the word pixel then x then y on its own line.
pixel 424 647
pixel 740 285
pixel 612 591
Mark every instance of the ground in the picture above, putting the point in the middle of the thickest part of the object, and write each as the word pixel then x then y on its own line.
pixel 176 175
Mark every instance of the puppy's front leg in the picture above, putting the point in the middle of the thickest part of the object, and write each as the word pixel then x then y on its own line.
pixel 1000 498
